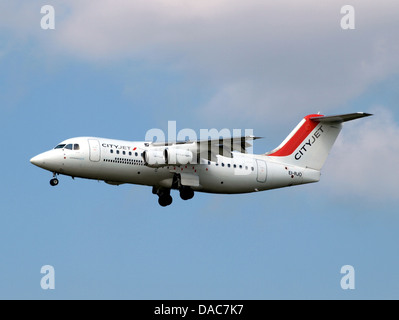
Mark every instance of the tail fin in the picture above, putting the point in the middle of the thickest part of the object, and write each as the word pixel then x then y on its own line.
pixel 311 141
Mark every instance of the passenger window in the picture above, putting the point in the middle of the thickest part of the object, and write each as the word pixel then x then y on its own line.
pixel 69 147
pixel 112 151
pixel 240 166
pixel 117 151
pixel 130 153
pixel 253 169
pixel 235 166
pixel 229 165
pixel 136 154
pixel 246 167
pixel 124 152
pixel 222 164
pixel 209 163
pixel 76 147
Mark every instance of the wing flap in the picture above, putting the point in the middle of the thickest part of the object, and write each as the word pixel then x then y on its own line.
pixel 189 180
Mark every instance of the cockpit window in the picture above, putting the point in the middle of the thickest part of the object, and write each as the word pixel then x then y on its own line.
pixel 60 146
pixel 69 147
pixel 76 147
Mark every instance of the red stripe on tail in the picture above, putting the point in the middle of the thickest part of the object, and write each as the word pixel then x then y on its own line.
pixel 298 137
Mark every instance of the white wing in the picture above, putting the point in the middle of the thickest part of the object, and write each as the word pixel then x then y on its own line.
pixel 209 149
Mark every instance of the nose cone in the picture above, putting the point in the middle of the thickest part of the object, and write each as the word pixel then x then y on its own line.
pixel 40 160
pixel 36 160
pixel 45 160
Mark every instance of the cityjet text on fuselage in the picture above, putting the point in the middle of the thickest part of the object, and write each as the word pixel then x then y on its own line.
pixel 117 147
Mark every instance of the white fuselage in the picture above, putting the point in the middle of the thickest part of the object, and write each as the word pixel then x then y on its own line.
pixel 118 162
pixel 186 166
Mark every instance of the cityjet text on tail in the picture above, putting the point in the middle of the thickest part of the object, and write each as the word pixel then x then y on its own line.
pixel 213 166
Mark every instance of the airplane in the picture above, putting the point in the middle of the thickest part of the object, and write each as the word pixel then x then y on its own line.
pixel 220 166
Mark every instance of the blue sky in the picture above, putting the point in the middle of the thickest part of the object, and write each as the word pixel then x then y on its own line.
pixel 117 71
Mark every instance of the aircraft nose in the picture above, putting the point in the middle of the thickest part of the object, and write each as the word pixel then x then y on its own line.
pixel 44 160
pixel 38 160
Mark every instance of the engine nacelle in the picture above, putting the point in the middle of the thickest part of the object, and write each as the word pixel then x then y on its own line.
pixel 174 156
pixel 154 158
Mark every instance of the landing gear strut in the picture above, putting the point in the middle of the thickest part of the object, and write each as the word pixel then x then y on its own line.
pixel 186 193
pixel 54 182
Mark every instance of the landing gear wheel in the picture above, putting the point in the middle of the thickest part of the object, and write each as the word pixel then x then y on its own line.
pixel 165 201
pixel 186 193
pixel 54 182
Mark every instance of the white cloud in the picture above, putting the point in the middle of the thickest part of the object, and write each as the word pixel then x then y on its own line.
pixel 257 55
pixel 261 56
pixel 364 161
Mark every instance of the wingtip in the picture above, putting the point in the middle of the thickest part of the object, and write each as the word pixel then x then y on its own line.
pixel 251 137
pixel 365 114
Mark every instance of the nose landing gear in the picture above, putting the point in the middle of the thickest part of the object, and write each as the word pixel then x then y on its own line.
pixel 54 182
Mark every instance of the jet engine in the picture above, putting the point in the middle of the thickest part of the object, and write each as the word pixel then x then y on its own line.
pixel 154 158
pixel 175 156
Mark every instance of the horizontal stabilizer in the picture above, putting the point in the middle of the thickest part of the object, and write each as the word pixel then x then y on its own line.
pixel 341 118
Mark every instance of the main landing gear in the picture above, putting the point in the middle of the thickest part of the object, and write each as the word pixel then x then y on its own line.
pixel 54 182
pixel 186 193
pixel 165 199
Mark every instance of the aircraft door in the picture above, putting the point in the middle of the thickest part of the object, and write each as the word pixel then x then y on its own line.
pixel 95 150
pixel 262 171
